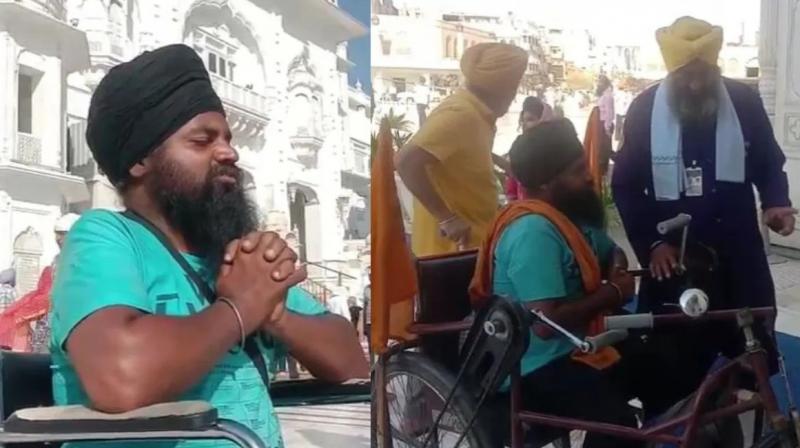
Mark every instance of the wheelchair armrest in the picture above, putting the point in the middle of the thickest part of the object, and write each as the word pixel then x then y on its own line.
pixel 177 416
pixel 308 392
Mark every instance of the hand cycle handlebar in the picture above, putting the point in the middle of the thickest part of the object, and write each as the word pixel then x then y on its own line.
pixel 650 320
pixel 677 223
pixel 618 326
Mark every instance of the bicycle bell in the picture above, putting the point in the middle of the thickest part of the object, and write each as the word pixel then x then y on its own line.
pixel 694 302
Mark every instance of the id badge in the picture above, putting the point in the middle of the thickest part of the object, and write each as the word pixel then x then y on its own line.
pixel 694 182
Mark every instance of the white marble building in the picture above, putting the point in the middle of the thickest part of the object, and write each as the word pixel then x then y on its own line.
pixel 779 61
pixel 279 66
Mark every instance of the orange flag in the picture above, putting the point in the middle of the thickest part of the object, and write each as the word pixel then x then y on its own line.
pixel 592 144
pixel 393 279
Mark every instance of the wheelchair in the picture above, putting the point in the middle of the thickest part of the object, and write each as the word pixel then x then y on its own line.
pixel 443 389
pixel 30 419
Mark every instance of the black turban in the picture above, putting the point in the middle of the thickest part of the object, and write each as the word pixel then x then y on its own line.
pixel 140 103
pixel 539 155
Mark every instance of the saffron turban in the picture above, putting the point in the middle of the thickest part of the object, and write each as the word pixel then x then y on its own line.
pixel 689 39
pixel 494 66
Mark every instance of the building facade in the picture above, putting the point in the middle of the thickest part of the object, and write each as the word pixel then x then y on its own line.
pixel 301 132
pixel 779 84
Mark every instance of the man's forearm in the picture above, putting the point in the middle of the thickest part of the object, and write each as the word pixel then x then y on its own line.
pixel 327 345
pixel 502 163
pixel 576 315
pixel 146 359
pixel 415 178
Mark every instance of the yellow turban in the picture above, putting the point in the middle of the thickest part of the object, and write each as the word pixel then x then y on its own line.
pixel 689 39
pixel 493 66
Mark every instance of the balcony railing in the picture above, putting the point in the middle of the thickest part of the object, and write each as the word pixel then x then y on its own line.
pixel 316 289
pixel 54 8
pixel 29 149
pixel 239 96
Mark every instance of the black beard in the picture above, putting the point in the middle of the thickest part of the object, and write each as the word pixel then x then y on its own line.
pixel 209 215
pixel 696 108
pixel 583 207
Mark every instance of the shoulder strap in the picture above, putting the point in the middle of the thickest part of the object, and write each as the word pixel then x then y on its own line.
pixel 250 345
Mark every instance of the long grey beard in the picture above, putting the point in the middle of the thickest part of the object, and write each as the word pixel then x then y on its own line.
pixel 694 112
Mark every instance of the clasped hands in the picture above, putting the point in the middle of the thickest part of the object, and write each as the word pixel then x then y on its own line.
pixel 256 274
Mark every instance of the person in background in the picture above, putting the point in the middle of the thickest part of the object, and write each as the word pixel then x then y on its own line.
pixel 24 326
pixel 355 305
pixel 338 302
pixel 422 96
pixel 622 101
pixel 605 104
pixel 534 111
pixel 701 144
pixel 448 164
pixel 8 290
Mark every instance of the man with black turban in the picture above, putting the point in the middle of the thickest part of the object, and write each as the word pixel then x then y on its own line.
pixel 549 251
pixel 179 297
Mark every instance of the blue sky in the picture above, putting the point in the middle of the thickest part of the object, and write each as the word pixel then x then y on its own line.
pixel 358 49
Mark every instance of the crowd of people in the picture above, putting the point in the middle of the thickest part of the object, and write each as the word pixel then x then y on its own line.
pixel 695 143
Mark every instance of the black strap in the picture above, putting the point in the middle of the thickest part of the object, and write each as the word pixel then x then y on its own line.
pixel 250 344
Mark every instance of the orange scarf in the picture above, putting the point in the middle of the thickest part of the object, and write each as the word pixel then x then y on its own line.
pixel 593 145
pixel 480 288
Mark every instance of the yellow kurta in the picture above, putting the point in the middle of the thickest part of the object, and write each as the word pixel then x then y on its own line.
pixel 460 134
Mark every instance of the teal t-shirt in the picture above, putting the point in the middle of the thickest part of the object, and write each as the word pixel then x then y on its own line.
pixel 110 260
pixel 534 262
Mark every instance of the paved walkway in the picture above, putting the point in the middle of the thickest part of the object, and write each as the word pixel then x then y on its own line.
pixel 334 426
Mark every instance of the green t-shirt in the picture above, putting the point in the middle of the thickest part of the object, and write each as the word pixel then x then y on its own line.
pixel 534 262
pixel 110 260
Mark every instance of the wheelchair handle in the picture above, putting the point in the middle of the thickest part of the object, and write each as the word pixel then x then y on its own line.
pixel 605 339
pixel 676 223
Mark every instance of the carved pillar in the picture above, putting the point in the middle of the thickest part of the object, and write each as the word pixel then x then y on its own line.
pixel 8 84
pixel 767 49
pixel 767 84
pixel 27 258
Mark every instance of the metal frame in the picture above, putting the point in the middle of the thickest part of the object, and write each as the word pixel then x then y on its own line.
pixel 754 361
pixel 223 430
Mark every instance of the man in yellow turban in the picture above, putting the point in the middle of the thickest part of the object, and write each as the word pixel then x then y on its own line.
pixel 448 164
pixel 698 143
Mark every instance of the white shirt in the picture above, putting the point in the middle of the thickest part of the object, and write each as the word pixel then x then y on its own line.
pixel 422 94
pixel 606 105
pixel 337 304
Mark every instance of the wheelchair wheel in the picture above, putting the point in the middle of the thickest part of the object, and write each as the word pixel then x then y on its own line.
pixel 416 390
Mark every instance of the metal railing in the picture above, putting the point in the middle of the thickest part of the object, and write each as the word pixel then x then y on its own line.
pixel 317 289
pixel 239 96
pixel 339 274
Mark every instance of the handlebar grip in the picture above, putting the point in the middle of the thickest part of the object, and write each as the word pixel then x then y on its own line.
pixel 629 321
pixel 605 339
pixel 676 223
